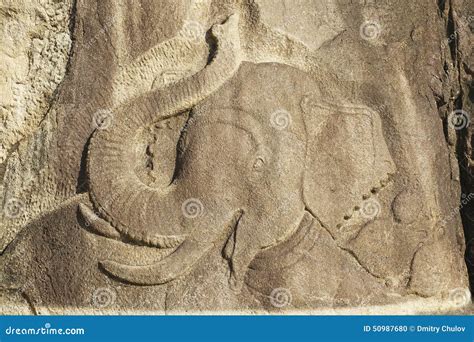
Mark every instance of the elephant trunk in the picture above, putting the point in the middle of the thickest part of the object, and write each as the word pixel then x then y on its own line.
pixel 133 208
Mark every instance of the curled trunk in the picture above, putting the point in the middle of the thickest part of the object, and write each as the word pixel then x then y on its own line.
pixel 135 209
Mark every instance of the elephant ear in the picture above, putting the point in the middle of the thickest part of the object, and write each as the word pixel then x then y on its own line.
pixel 347 160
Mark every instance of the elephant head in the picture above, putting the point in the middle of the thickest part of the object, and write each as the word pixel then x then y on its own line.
pixel 244 173
pixel 238 179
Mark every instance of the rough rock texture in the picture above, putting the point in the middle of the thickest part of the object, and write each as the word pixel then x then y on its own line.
pixel 35 49
pixel 462 48
pixel 236 156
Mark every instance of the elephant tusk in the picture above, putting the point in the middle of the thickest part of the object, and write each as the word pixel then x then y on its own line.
pixel 178 263
pixel 104 228
pixel 98 225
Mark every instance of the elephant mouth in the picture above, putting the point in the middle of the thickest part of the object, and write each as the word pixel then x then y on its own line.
pixel 92 222
pixel 176 264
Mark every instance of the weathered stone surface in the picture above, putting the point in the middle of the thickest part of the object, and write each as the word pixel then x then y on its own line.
pixel 238 156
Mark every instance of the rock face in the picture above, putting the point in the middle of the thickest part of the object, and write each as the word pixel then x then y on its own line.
pixel 236 156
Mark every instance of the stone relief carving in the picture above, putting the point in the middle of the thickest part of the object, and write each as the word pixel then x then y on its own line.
pixel 228 168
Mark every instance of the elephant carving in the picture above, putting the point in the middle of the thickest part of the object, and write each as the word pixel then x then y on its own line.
pixel 252 160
